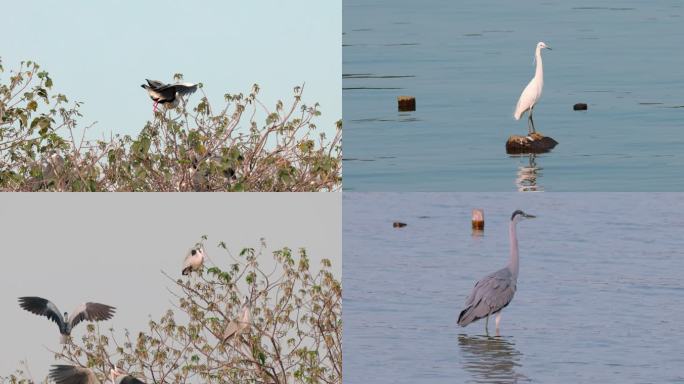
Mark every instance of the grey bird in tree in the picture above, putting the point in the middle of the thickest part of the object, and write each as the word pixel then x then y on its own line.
pixel 167 94
pixel 239 326
pixel 194 260
pixel 85 311
pixel 495 291
pixel 70 374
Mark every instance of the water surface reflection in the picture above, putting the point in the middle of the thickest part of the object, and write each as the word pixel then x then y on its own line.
pixel 491 359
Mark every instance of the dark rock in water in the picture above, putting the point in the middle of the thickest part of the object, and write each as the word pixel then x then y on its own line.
pixel 534 143
pixel 579 107
pixel 398 224
pixel 406 103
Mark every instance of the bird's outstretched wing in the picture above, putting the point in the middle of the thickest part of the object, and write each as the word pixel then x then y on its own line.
pixel 155 83
pixel 185 88
pixel 91 312
pixel 42 307
pixel 490 295
pixel 69 374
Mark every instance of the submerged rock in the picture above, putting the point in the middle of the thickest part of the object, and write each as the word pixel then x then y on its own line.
pixel 580 107
pixel 406 103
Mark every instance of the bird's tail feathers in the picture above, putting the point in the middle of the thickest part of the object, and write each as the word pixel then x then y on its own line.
pixel 186 271
pixel 467 316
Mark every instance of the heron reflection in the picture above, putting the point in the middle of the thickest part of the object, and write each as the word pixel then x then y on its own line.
pixel 528 173
pixel 491 359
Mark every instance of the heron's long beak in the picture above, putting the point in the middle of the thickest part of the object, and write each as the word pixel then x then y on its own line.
pixel 549 48
pixel 530 216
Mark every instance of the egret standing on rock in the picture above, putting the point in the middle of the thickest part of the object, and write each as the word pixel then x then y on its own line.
pixel 495 291
pixel 86 311
pixel 167 94
pixel 531 94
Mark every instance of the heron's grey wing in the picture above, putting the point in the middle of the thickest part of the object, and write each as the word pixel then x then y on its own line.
pixel 69 374
pixel 91 312
pixel 491 294
pixel 155 83
pixel 42 307
pixel 128 380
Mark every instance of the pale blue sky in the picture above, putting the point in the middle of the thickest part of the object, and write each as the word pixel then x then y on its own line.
pixel 112 45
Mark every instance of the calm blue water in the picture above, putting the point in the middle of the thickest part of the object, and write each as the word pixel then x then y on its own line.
pixel 467 63
pixel 600 295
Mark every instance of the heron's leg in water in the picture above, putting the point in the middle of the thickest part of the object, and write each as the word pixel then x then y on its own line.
pixel 487 325
pixel 498 320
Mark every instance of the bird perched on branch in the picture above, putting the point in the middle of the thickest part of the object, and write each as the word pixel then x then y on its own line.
pixel 194 260
pixel 236 327
pixel 70 374
pixel 167 94
pixel 86 311
pixel 533 91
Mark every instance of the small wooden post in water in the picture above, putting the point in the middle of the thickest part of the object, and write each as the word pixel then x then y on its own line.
pixel 478 219
pixel 406 103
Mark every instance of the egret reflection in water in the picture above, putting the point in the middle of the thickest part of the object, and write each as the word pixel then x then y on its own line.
pixel 491 359
pixel 528 174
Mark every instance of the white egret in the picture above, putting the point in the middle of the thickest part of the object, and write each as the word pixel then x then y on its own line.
pixel 531 94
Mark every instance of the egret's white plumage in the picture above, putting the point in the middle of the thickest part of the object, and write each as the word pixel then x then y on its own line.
pixel 533 91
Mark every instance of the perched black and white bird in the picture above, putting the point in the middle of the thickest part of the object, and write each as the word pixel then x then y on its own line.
pixel 71 374
pixel 194 260
pixel 85 311
pixel 167 94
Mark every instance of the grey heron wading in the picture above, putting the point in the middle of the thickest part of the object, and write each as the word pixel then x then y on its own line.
pixel 495 291
pixel 85 311
pixel 532 93
pixel 69 374
pixel 167 94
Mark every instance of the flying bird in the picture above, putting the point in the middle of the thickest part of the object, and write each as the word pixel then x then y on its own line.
pixel 236 327
pixel 531 94
pixel 167 94
pixel 69 374
pixel 495 291
pixel 66 323
pixel 194 260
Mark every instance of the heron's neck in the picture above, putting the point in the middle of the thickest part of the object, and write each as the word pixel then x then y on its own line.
pixel 539 72
pixel 514 263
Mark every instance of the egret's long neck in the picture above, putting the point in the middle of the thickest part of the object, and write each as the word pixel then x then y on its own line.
pixel 514 263
pixel 539 72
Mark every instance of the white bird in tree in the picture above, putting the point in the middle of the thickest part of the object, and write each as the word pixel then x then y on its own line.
pixel 239 326
pixel 194 260
pixel 167 94
pixel 70 374
pixel 86 311
pixel 532 93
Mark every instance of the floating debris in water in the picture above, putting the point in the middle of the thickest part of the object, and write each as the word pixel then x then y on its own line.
pixel 580 107
pixel 398 224
pixel 406 103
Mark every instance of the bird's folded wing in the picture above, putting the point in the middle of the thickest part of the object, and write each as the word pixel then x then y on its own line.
pixel 91 312
pixel 42 307
pixel 68 374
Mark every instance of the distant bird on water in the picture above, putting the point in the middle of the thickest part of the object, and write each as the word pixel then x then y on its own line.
pixel 70 374
pixel 495 291
pixel 194 260
pixel 531 94
pixel 86 311
pixel 167 94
